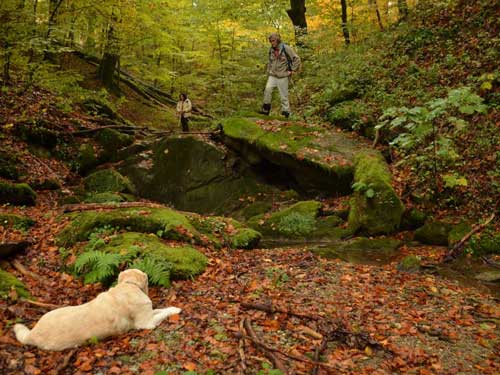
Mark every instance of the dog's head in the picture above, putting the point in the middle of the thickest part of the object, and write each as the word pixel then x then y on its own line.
pixel 136 277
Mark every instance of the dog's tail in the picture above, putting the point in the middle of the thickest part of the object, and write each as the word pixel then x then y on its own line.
pixel 22 333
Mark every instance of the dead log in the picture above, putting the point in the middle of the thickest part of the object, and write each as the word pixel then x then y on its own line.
pixel 457 248
pixel 107 206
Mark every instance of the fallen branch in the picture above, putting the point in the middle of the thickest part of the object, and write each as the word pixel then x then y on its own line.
pixel 268 352
pixel 260 344
pixel 271 309
pixel 457 248
pixel 317 353
pixel 241 348
pixel 99 206
pixel 18 266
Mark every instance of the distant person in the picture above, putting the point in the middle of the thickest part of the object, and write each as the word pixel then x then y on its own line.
pixel 184 108
pixel 283 62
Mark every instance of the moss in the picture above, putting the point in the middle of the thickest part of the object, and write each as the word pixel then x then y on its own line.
pixel 327 227
pixel 9 282
pixel 105 198
pixel 488 242
pixel 433 233
pixel 111 141
pixel 379 244
pixel 413 219
pixel 108 180
pixel 16 221
pixel 86 159
pixel 410 263
pixel 228 231
pixel 8 166
pixel 245 238
pixel 317 159
pixel 458 232
pixel 296 221
pixel 254 209
pixel 17 194
pixel 187 262
pixel 37 133
pixel 165 222
pixel 375 207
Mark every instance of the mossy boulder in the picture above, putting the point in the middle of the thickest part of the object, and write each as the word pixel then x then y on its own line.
pixel 375 208
pixel 254 209
pixel 458 232
pixel 37 132
pixel 192 175
pixel 312 158
pixel 16 221
pixel 329 227
pixel 106 197
pixel 108 180
pixel 433 233
pixel 17 194
pixel 9 166
pixel 165 222
pixel 86 159
pixel 111 142
pixel 296 221
pixel 487 242
pixel 413 219
pixel 225 231
pixel 186 262
pixel 9 283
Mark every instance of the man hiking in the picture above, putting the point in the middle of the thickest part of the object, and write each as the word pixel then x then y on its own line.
pixel 283 62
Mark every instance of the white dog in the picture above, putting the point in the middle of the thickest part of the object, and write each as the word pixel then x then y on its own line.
pixel 120 309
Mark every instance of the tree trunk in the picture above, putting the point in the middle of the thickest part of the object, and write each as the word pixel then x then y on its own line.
pixel 297 14
pixel 377 12
pixel 345 30
pixel 402 9
pixel 110 57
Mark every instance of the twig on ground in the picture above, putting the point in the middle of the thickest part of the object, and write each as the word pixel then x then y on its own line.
pixel 271 309
pixel 18 266
pixel 266 350
pixel 317 353
pixel 241 348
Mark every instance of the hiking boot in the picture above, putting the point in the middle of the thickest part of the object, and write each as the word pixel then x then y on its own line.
pixel 286 114
pixel 266 108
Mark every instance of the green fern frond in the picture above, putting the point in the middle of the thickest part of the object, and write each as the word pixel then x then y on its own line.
pixel 98 266
pixel 158 271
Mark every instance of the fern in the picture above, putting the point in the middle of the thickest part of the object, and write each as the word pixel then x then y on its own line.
pixel 157 270
pixel 98 266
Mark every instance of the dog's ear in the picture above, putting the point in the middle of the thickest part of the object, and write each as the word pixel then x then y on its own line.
pixel 121 276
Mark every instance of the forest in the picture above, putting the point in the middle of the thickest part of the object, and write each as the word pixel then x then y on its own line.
pixel 314 184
